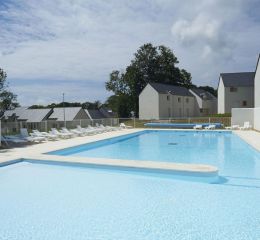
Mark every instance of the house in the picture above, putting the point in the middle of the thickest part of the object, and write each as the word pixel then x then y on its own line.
pixel 235 90
pixel 25 114
pixel 68 114
pixel 250 114
pixel 205 104
pixel 100 113
pixel 257 96
pixel 158 101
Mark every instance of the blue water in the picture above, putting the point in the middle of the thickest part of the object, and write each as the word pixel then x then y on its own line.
pixel 227 151
pixel 41 201
pixel 55 202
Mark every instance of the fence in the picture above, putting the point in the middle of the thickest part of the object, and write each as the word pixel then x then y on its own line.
pixel 9 128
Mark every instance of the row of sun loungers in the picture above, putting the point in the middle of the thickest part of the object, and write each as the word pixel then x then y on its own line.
pixel 246 126
pixel 36 136
pixel 200 127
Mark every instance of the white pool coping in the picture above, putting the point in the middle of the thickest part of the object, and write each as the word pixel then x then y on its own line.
pixel 36 152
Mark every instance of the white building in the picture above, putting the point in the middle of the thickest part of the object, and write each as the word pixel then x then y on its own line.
pixel 159 101
pixel 235 90
pixel 250 114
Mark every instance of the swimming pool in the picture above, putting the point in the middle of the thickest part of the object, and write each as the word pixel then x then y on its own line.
pixel 44 201
pixel 56 201
pixel 223 149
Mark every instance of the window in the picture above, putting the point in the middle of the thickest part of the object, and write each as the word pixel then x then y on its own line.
pixel 179 99
pixel 201 110
pixel 187 100
pixel 244 103
pixel 168 98
pixel 233 89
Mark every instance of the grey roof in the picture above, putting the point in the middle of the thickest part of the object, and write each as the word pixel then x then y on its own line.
pixel 241 79
pixel 29 115
pixel 95 114
pixel 70 113
pixel 203 94
pixel 172 89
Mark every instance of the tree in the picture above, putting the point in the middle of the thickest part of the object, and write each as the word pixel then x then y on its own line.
pixel 150 64
pixel 8 100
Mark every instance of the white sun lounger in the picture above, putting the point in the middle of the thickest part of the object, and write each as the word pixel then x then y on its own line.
pixel 25 135
pixel 122 125
pixel 198 126
pixel 246 126
pixel 86 131
pixel 210 127
pixel 65 130
pixel 60 134
pixel 49 136
pixel 233 127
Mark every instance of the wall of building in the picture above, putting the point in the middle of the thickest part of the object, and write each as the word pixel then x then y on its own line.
pixel 257 118
pixel 172 108
pixel 81 115
pixel 235 99
pixel 257 85
pixel 221 97
pixel 149 103
pixel 241 115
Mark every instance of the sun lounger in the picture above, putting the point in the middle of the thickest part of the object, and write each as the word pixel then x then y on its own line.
pixel 13 140
pixel 198 126
pixel 246 126
pixel 86 131
pixel 25 135
pixel 98 130
pixel 210 127
pixel 72 131
pixel 233 127
pixel 122 125
pixel 49 136
pixel 60 134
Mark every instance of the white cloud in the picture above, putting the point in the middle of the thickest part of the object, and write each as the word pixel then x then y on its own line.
pixel 85 40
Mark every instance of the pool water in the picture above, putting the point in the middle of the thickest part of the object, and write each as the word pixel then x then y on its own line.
pixel 227 151
pixel 41 201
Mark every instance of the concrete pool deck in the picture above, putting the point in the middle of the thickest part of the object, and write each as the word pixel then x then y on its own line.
pixel 36 153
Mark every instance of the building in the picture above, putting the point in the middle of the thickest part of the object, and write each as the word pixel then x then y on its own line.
pixel 250 114
pixel 257 96
pixel 205 103
pixel 68 114
pixel 100 113
pixel 158 101
pixel 235 90
pixel 25 114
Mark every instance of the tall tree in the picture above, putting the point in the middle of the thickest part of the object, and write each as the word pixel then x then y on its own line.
pixel 8 100
pixel 150 64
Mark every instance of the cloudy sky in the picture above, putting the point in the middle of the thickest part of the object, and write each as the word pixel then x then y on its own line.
pixel 48 47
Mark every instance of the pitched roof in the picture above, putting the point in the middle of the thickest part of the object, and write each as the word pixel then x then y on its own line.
pixel 35 115
pixel 203 94
pixel 241 79
pixel 29 115
pixel 172 89
pixel 95 114
pixel 70 113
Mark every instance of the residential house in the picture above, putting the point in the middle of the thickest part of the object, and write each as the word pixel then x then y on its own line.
pixel 257 96
pixel 205 104
pixel 158 101
pixel 235 90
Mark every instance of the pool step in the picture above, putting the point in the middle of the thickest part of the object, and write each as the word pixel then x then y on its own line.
pixel 197 172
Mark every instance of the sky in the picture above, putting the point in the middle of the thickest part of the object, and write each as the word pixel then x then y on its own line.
pixel 50 47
